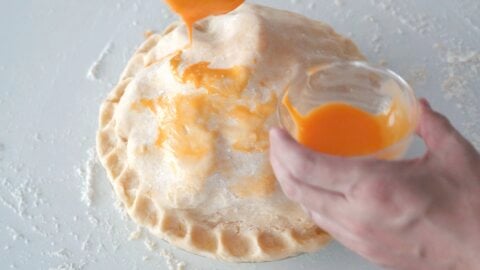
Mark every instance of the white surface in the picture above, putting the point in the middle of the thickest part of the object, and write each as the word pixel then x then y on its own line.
pixel 58 60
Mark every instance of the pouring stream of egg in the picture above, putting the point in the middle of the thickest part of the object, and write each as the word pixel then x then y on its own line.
pixel 194 10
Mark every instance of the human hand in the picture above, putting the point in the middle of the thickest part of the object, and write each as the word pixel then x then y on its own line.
pixel 410 214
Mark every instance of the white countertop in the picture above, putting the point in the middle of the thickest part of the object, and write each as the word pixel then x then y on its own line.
pixel 49 106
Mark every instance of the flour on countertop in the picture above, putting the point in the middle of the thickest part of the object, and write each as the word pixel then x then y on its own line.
pixel 10 206
pixel 14 233
pixel 86 243
pixel 68 266
pixel 135 7
pixel 471 24
pixel 172 262
pixel 135 235
pixel 417 22
pixel 339 3
pixel 376 41
pixel 462 57
pixel 62 253
pixel 18 194
pixel 416 76
pixel 87 174
pixel 149 244
pixel 37 137
pixel 93 220
pixel 93 72
pixel 118 205
pixel 462 71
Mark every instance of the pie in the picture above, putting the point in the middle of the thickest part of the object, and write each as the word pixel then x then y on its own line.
pixel 184 134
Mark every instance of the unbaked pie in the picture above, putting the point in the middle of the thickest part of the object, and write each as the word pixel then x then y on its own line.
pixel 184 134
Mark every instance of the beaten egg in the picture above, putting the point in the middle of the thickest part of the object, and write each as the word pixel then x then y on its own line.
pixel 341 129
pixel 194 10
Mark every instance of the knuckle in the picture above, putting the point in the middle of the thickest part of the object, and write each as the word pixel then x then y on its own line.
pixel 377 191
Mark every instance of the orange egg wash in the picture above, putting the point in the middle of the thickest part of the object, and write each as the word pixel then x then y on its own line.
pixel 194 10
pixel 340 129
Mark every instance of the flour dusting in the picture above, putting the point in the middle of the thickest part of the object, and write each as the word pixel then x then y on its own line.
pixel 462 57
pixel 15 198
pixel 62 253
pixel 87 173
pixel 68 266
pixel 462 74
pixel 149 244
pixel 97 65
pixel 339 3
pixel 118 205
pixel 135 235
pixel 172 262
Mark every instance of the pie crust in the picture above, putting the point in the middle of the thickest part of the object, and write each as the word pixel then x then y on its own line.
pixel 188 154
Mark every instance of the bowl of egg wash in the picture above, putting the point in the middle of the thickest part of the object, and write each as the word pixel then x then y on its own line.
pixel 350 109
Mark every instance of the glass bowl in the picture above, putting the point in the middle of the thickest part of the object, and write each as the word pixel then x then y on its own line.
pixel 369 88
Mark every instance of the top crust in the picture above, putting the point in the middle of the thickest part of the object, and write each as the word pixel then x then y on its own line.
pixel 225 204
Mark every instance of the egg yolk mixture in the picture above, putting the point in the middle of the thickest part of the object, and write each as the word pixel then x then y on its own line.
pixel 221 109
pixel 344 130
pixel 190 126
pixel 194 10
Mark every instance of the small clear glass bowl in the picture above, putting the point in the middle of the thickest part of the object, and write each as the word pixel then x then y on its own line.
pixel 359 84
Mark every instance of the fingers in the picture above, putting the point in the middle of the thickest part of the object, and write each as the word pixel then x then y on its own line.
pixel 328 203
pixel 443 140
pixel 434 128
pixel 335 229
pixel 290 160
pixel 297 190
pixel 362 244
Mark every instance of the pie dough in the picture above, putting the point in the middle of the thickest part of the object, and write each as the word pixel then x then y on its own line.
pixel 184 134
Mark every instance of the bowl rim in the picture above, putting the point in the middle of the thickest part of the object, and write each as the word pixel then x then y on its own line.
pixel 407 91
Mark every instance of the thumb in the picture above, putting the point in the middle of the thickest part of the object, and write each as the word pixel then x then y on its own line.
pixel 291 160
pixel 435 129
